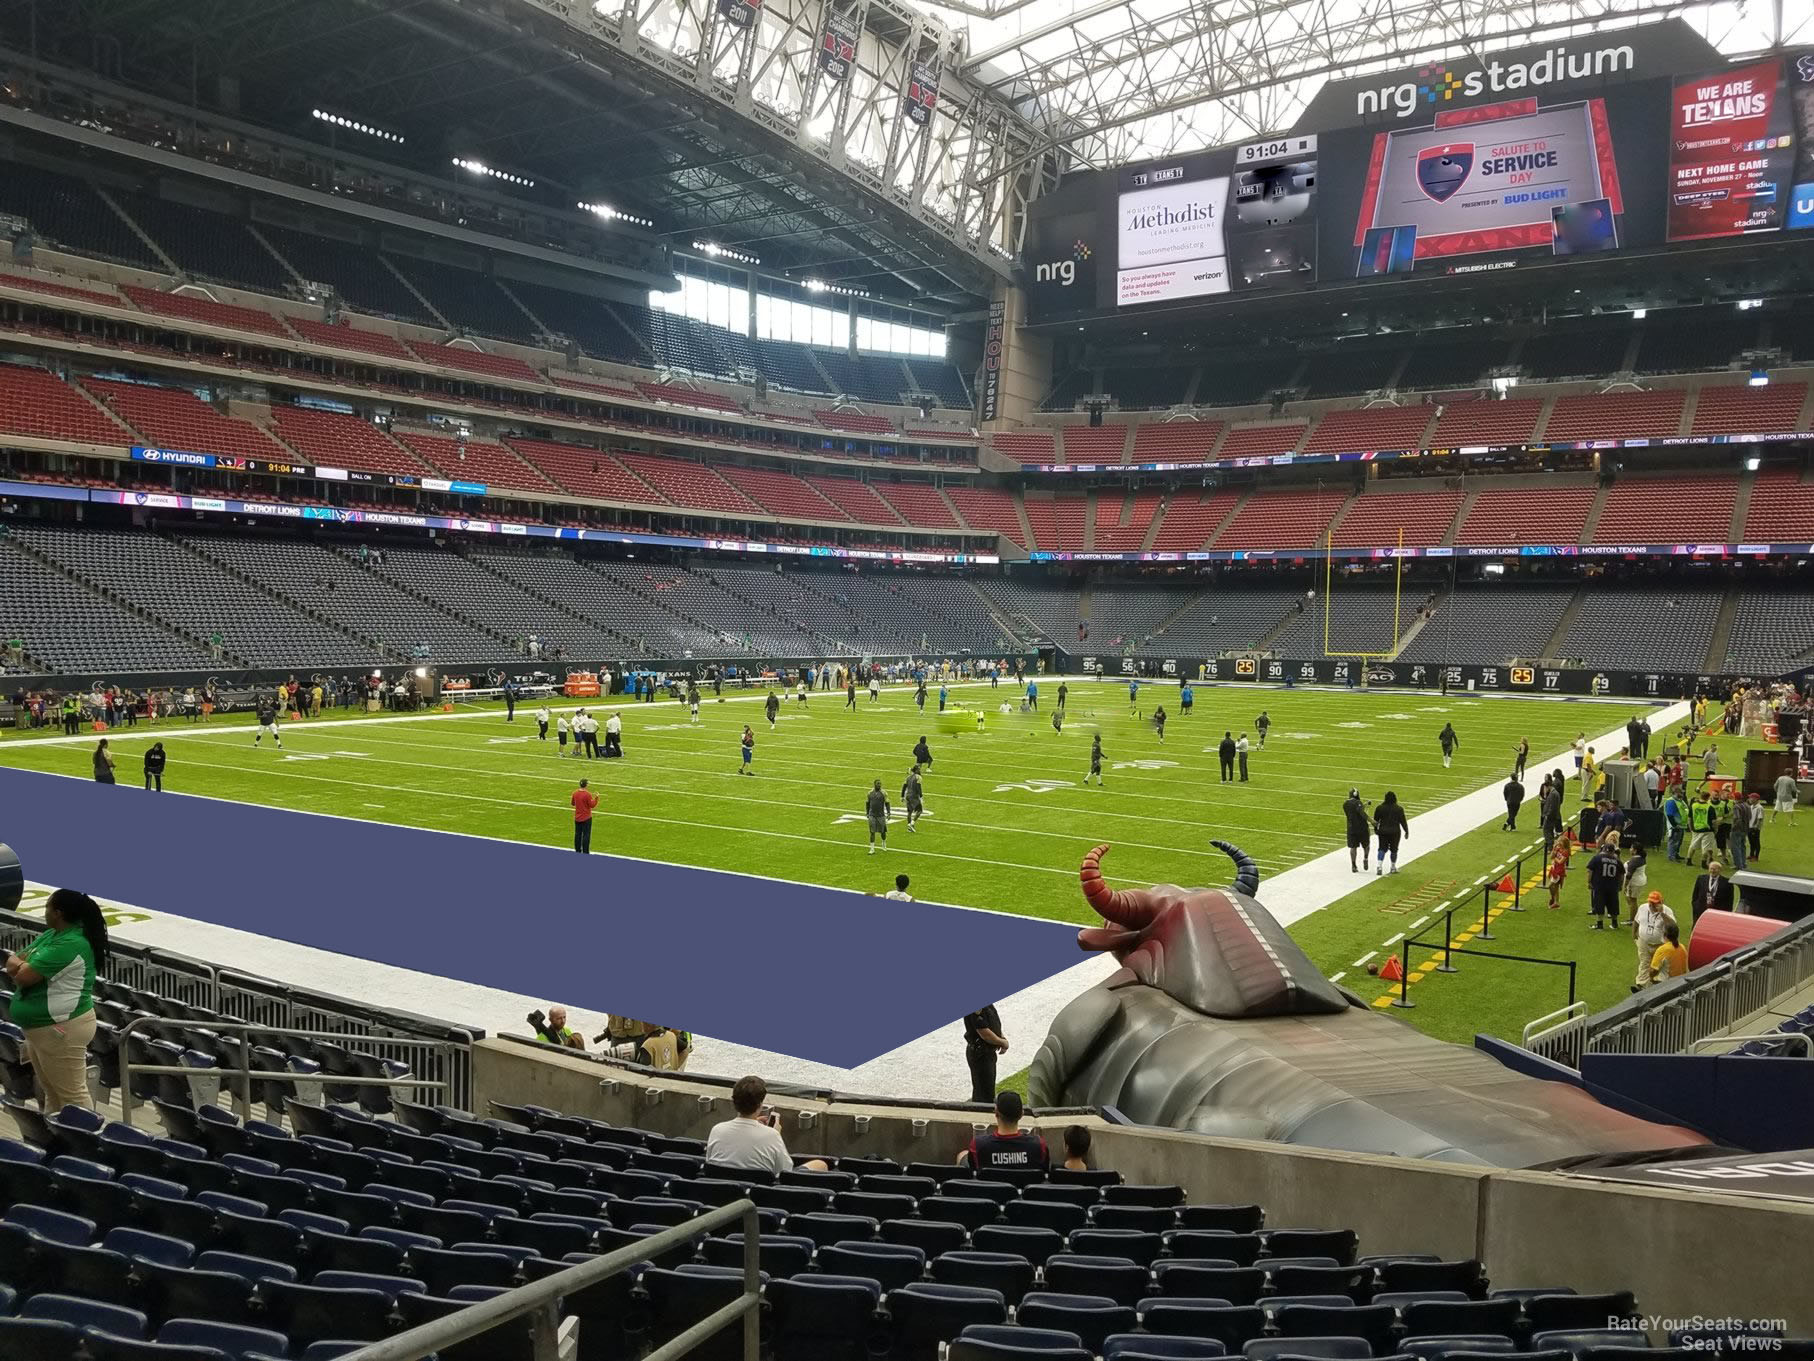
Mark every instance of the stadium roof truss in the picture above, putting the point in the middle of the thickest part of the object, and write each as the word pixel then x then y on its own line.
pixel 1113 81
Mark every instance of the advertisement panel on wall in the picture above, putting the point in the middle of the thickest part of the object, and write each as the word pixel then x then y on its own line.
pixel 1741 150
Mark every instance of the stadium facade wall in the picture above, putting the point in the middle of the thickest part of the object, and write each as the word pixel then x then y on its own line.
pixel 1684 1252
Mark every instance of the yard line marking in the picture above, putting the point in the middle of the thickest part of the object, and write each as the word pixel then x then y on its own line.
pixel 1336 978
pixel 1361 963
pixel 1419 922
pixel 1390 941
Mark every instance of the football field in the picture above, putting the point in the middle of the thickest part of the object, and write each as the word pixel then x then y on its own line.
pixel 1007 814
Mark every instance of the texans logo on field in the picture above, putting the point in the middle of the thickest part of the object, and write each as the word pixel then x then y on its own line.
pixel 1441 170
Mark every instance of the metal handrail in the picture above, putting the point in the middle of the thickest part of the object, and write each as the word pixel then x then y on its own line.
pixel 1807 1044
pixel 541 1299
pixel 246 1071
pixel 1564 1016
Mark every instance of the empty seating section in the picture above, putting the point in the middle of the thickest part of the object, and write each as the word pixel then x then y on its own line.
pixel 335 440
pixel 588 321
pixel 918 503
pixel 471 301
pixel 33 284
pixel 68 212
pixel 207 245
pixel 861 502
pixel 1377 519
pixel 1122 522
pixel 1668 508
pixel 360 602
pixel 1284 519
pixel 938 614
pixel 177 419
pixel 1488 626
pixel 1694 338
pixel 1147 389
pixel 721 621
pixel 475 361
pixel 794 604
pixel 593 388
pixel 1574 351
pixel 67 627
pixel 690 346
pixel 1465 425
pixel 1615 415
pixel 1745 410
pixel 868 378
pixel 1134 612
pixel 856 422
pixel 1249 441
pixel 1050 608
pixel 1770 632
pixel 939 379
pixel 1243 382
pixel 475 460
pixel 988 508
pixel 688 396
pixel 355 272
pixel 466 588
pixel 1070 388
pixel 689 484
pixel 1025 446
pixel 956 601
pixel 789 366
pixel 784 494
pixel 1348 370
pixel 1370 428
pixel 205 310
pixel 1508 515
pixel 1175 441
pixel 607 603
pixel 1093 443
pixel 1057 521
pixel 37 403
pixel 1636 629
pixel 1781 508
pixel 344 335
pixel 1442 361
pixel 1219 620
pixel 1191 516
pixel 194 595
pixel 585 471
pixel 1358 620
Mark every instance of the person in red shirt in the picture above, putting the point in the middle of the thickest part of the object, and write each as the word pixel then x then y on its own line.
pixel 584 801
pixel 1006 1146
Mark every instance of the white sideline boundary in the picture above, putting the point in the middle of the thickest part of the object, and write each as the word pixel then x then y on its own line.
pixel 931 1067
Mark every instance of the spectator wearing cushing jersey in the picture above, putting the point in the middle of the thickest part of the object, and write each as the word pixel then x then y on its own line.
pixel 1006 1147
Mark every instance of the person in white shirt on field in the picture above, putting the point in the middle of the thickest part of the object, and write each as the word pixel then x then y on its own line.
pixel 542 719
pixel 1787 793
pixel 1647 929
pixel 752 1141
pixel 899 892
pixel 614 736
pixel 561 728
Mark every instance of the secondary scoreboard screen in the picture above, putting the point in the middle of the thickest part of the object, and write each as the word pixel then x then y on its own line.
pixel 1488 180
pixel 1741 151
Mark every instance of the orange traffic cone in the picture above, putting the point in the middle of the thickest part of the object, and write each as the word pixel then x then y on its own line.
pixel 1505 885
pixel 99 726
pixel 1390 971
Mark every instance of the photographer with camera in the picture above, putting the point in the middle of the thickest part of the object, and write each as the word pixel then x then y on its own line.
pixel 752 1140
pixel 553 1029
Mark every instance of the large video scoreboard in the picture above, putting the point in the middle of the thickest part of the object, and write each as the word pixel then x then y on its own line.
pixel 1635 140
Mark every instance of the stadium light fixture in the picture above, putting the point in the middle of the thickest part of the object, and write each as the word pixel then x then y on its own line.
pixel 480 168
pixel 353 125
pixel 1746 304
pixel 1753 463
pixel 718 252
pixel 1639 313
pixel 610 214
pixel 1760 378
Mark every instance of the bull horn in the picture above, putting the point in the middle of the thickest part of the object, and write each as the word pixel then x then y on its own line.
pixel 1247 874
pixel 1132 908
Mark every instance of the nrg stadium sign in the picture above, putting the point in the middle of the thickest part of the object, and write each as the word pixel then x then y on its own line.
pixel 1437 85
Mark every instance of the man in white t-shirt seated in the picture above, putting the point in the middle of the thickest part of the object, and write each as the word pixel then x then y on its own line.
pixel 752 1141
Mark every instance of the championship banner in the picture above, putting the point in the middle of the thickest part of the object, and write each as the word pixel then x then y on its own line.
pixel 838 44
pixel 740 13
pixel 993 343
pixel 1493 178
pixel 922 92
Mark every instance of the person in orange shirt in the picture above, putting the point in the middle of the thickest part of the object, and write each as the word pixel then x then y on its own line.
pixel 584 801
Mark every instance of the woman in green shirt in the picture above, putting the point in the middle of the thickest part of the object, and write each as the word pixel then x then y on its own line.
pixel 54 1002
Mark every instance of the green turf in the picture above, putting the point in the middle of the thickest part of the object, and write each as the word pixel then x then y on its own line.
pixel 994 836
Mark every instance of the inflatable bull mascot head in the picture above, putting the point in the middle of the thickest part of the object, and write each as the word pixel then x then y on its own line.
pixel 1216 1022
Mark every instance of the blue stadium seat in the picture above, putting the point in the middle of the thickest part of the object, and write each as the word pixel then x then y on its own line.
pixel 236 1341
pixel 681 1297
pixel 830 1317
pixel 1011 1275
pixel 106 1347
pixel 191 1292
pixel 368 1280
pixel 52 1224
pixel 346 1252
pixel 1467 1317
pixel 1576 1313
pixel 1093 1318
pixel 1083 1197
pixel 25 1339
pixel 826 1229
pixel 1132 1244
pixel 1237 1284
pixel 779 1255
pixel 150 1247
pixel 890 1265
pixel 1233 1325
pixel 1441 1348
pixel 603 1310
pixel 1124 1281
pixel 311 1313
pixel 1226 1218
pixel 1056 1215
pixel 932 1236
pixel 1402 1300
pixel 1145 1218
pixel 926 1314
pixel 1375 1322
pixel 85 1313
pixel 1356 1282
pixel 981 1188
pixel 1166 1196
pixel 1336 1243
pixel 93 1273
pixel 509 1342
pixel 1320 1348
pixel 1402 1274
pixel 1243 1249
pixel 1145 1347
pixel 989 1343
pixel 969 1211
